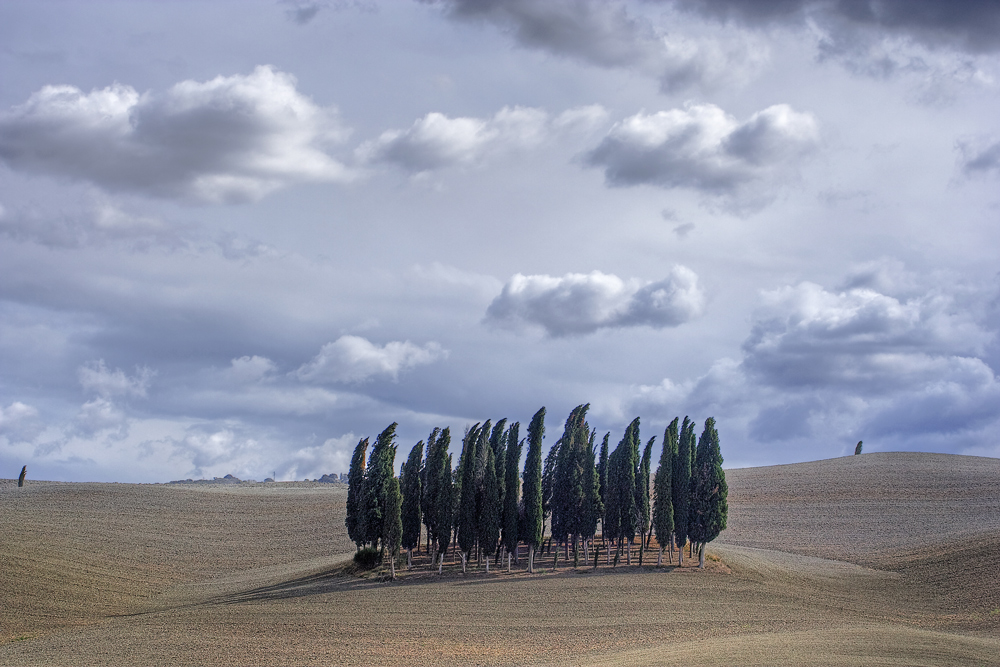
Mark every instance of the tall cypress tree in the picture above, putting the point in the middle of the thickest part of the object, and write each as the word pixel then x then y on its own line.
pixel 468 528
pixel 568 503
pixel 612 525
pixel 430 490
pixel 498 443
pixel 409 480
pixel 593 506
pixel 663 502
pixel 630 522
pixel 377 476
pixel 355 495
pixel 533 517
pixel 392 524
pixel 445 501
pixel 548 476
pixel 682 487
pixel 602 476
pixel 709 495
pixel 512 493
pixel 489 506
pixel 643 488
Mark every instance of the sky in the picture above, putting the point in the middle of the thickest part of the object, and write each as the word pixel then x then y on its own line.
pixel 237 237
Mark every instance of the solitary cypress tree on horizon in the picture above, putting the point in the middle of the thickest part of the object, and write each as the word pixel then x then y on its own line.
pixel 355 495
pixel 409 479
pixel 531 532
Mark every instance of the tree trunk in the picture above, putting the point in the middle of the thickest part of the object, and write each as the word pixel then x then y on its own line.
pixel 392 568
pixel 409 558
pixel 487 559
pixel 555 558
pixel 586 551
pixel 680 556
pixel 531 559
pixel 463 562
pixel 628 554
pixel 659 557
pixel 508 562
pixel 440 562
pixel 701 556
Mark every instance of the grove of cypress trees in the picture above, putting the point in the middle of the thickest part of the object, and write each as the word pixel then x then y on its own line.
pixel 355 495
pixel 512 493
pixel 377 476
pixel 663 502
pixel 531 532
pixel 392 524
pixel 682 487
pixel 409 480
pixel 709 492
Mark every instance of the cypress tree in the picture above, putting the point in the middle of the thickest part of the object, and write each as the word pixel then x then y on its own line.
pixel 430 488
pixel 511 512
pixel 643 486
pixel 613 501
pixel 709 502
pixel 392 524
pixel 663 503
pixel 355 495
pixel 548 474
pixel 602 475
pixel 533 517
pixel 682 487
pixel 446 502
pixel 377 476
pixel 857 448
pixel 409 480
pixel 593 507
pixel 498 443
pixel 468 529
pixel 630 471
pixel 489 505
pixel 568 498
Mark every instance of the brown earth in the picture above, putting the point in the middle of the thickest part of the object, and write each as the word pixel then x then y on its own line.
pixel 880 559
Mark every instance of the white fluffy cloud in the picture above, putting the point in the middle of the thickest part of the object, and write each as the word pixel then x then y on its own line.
pixel 605 34
pixel 19 422
pixel 232 138
pixel 579 303
pixel 703 148
pixel 437 141
pixel 354 359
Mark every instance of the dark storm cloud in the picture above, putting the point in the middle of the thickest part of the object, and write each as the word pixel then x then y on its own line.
pixel 578 303
pixel 703 148
pixel 967 25
pixel 604 34
pixel 979 157
pixel 232 138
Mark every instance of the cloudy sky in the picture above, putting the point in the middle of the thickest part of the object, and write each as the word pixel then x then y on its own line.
pixel 235 237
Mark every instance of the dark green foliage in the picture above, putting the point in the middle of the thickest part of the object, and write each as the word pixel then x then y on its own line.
pixel 663 503
pixel 392 522
pixel 489 506
pixel 548 477
pixel 709 504
pixel 20 478
pixel 409 480
pixel 682 482
pixel 446 501
pixel 468 529
pixel 602 476
pixel 592 508
pixel 377 478
pixel 642 488
pixel 498 443
pixel 511 511
pixel 355 494
pixel 431 484
pixel 367 558
pixel 620 514
pixel 857 448
pixel 531 532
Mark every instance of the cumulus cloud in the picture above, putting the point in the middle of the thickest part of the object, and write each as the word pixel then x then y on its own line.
pixel 229 139
pixel 701 147
pixel 20 422
pixel 95 377
pixel 355 359
pixel 605 34
pixel 437 141
pixel 101 414
pixel 896 360
pixel 578 303
pixel 248 370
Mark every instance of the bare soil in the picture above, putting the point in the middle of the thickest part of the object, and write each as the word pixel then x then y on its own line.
pixel 879 559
